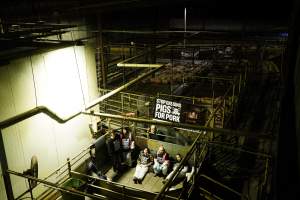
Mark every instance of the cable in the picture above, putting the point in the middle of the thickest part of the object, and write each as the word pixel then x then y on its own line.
pixel 33 79
pixel 78 72
pixel 77 66
pixel 52 122
pixel 18 132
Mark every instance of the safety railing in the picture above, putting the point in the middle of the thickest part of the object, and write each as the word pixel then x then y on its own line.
pixel 105 187
pixel 60 174
pixel 164 123
pixel 198 159
pixel 121 103
pixel 240 196
pixel 199 156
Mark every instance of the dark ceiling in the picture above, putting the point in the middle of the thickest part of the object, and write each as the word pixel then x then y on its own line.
pixel 24 22
pixel 35 9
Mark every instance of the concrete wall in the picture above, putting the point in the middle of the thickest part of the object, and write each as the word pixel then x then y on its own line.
pixel 2 187
pixel 63 80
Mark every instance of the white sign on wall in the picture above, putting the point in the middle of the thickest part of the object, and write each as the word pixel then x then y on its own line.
pixel 167 110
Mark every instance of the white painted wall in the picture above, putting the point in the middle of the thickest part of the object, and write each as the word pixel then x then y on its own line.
pixel 63 80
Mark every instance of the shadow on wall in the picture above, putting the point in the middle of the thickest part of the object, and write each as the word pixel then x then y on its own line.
pixel 101 152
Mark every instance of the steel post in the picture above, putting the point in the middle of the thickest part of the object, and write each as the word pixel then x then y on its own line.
pixel 4 167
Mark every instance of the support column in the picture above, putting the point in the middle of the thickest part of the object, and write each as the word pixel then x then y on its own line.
pixel 100 57
pixel 153 54
pixel 4 167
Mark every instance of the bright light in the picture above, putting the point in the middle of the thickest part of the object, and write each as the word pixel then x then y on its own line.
pixel 64 82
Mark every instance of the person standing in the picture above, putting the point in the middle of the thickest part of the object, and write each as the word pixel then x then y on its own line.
pixel 144 161
pixel 127 146
pixel 114 150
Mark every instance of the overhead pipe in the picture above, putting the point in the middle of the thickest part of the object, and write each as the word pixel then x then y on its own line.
pixel 125 64
pixel 150 32
pixel 139 65
pixel 30 113
pixel 102 98
pixel 181 125
pixel 43 109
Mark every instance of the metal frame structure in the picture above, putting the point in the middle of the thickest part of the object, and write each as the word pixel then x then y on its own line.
pixel 199 156
pixel 228 98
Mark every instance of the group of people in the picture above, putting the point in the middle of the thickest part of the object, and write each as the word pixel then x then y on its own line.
pixel 161 164
pixel 120 147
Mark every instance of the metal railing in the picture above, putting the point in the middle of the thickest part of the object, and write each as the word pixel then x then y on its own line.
pixel 223 186
pixel 69 173
pixel 199 157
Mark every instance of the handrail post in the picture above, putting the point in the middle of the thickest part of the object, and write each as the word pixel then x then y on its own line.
pixel 123 192
pixel 4 167
pixel 69 166
pixel 240 82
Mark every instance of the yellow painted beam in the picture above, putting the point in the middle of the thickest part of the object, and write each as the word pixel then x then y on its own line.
pixel 139 65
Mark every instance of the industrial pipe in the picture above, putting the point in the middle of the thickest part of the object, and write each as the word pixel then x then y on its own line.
pixel 182 125
pixel 43 109
pixel 30 113
pixel 142 54
pixel 125 64
pixel 139 65
pixel 102 98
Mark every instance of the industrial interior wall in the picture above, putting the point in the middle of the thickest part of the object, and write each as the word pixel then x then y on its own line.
pixel 2 187
pixel 63 80
pixel 295 170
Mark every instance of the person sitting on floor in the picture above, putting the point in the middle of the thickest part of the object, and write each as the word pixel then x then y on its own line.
pixel 144 161
pixel 127 146
pixel 182 172
pixel 161 162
